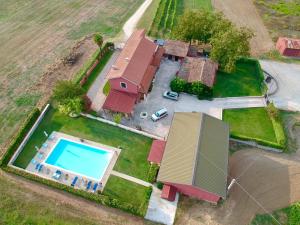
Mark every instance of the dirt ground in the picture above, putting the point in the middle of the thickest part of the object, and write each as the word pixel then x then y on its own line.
pixel 34 36
pixel 244 13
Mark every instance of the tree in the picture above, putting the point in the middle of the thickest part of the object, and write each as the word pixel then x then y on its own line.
pixel 68 97
pixel 98 39
pixel 229 46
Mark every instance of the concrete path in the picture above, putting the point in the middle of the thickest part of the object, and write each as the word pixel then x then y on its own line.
pixel 130 178
pixel 161 210
pixel 95 93
pixel 131 23
pixel 288 78
pixel 237 102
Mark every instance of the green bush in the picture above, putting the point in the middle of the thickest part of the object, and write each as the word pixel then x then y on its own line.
pixel 196 88
pixel 117 118
pixel 152 173
pixel 159 185
pixel 98 198
pixel 18 138
pixel 178 85
pixel 294 214
pixel 106 89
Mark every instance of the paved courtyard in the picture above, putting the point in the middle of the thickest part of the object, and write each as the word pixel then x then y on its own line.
pixel 288 78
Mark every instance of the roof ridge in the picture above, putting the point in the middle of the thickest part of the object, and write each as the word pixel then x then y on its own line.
pixel 202 115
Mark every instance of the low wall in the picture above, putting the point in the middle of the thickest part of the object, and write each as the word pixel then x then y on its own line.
pixel 28 135
pixel 254 144
pixel 122 126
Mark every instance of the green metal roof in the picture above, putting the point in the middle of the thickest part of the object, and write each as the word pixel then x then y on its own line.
pixel 196 153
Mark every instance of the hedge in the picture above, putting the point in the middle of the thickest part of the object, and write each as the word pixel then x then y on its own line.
pixel 96 56
pixel 18 138
pixel 98 198
pixel 196 88
pixel 152 173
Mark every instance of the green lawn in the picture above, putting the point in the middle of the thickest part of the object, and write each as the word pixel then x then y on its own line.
pixel 251 123
pixel 127 191
pixel 97 70
pixel 135 148
pixel 245 81
pixel 167 14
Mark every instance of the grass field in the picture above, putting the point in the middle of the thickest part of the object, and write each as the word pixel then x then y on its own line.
pixel 282 17
pixel 124 190
pixel 33 34
pixel 167 13
pixel 245 81
pixel 252 123
pixel 135 148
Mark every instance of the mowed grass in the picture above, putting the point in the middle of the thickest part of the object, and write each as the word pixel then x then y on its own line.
pixel 251 123
pixel 23 206
pixel 168 13
pixel 135 148
pixel 127 191
pixel 245 81
pixel 33 35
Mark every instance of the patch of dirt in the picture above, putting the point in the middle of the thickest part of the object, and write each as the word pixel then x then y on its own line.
pixel 61 70
pixel 244 13
pixel 273 180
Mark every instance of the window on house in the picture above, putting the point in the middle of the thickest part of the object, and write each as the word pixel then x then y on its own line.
pixel 123 85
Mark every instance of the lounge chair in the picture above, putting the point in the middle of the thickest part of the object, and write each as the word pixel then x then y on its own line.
pixel 52 137
pixel 40 168
pixel 45 145
pixel 95 187
pixel 33 161
pixel 40 155
pixel 74 181
pixel 37 166
pixel 89 185
pixel 57 175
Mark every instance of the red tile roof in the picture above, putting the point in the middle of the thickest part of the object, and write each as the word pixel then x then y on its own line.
pixel 198 69
pixel 156 151
pixel 119 101
pixel 176 48
pixel 134 59
pixel 290 43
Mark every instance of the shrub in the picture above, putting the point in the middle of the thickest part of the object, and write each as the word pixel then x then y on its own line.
pixel 178 85
pixel 160 185
pixel 294 214
pixel 18 138
pixel 273 111
pixel 149 192
pixel 152 173
pixel 106 89
pixel 117 118
pixel 87 103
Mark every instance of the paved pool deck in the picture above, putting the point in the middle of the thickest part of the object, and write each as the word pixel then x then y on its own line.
pixel 67 177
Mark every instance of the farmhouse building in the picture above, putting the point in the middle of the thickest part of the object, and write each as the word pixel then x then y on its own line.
pixel 176 50
pixel 198 69
pixel 131 75
pixel 195 158
pixel 288 46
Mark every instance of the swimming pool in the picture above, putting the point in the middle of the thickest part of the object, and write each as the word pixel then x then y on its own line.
pixel 79 158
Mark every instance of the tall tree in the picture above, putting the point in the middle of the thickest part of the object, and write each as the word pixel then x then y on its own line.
pixel 98 39
pixel 229 46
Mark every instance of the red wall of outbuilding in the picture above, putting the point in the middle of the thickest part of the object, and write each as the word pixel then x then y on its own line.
pixel 196 192
pixel 115 84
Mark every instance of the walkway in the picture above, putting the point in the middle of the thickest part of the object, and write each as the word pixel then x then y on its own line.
pixel 130 178
pixel 95 92
pixel 161 210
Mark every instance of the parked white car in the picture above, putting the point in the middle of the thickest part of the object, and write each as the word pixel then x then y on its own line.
pixel 171 95
pixel 159 114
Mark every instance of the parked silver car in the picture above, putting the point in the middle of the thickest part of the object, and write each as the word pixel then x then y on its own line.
pixel 159 114
pixel 171 95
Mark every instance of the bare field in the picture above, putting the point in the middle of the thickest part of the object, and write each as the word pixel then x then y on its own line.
pixel 273 180
pixel 244 13
pixel 282 17
pixel 34 34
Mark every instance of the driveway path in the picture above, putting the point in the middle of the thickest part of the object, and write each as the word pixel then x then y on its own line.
pixel 288 79
pixel 130 178
pixel 95 92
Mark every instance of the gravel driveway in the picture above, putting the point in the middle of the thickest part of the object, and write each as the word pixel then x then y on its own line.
pixel 288 78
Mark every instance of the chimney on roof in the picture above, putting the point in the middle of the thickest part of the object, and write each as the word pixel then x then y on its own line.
pixel 114 67
pixel 127 59
pixel 290 43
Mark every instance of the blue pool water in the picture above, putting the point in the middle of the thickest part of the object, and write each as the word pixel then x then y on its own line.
pixel 80 158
